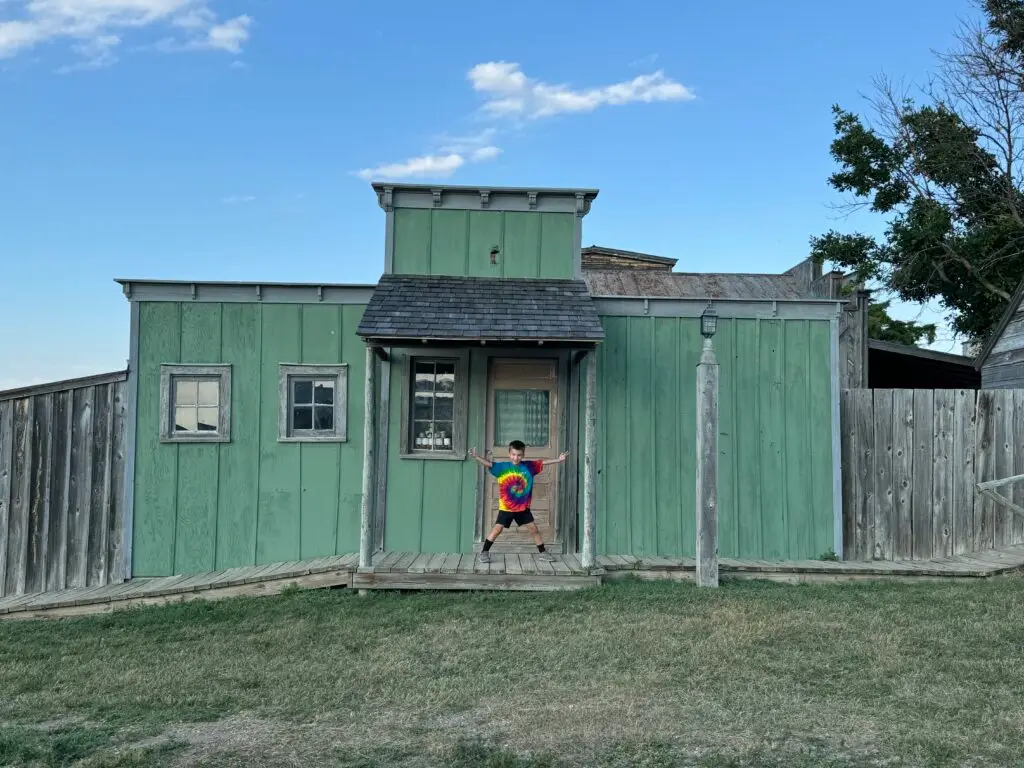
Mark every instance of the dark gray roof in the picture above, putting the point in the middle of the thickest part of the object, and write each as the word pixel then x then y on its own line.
pixel 652 283
pixel 415 307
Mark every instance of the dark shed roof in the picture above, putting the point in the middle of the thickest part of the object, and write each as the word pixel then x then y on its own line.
pixel 417 307
pixel 664 284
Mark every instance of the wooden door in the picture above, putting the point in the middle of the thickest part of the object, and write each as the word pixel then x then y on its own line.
pixel 522 404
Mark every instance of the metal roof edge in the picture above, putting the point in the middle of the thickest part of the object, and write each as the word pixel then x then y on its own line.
pixel 993 338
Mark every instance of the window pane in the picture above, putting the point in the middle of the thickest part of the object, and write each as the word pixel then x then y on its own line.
pixel 323 392
pixel 185 391
pixel 446 377
pixel 424 375
pixel 209 392
pixel 207 419
pixel 423 408
pixel 443 408
pixel 421 431
pixel 522 415
pixel 302 392
pixel 324 418
pixel 185 419
pixel 302 417
pixel 442 436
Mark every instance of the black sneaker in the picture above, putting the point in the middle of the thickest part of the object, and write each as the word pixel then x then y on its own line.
pixel 546 557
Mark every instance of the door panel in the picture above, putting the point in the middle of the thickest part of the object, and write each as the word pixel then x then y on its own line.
pixel 522 404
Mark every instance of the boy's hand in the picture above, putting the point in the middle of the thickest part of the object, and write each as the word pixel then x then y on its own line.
pixel 563 455
pixel 472 453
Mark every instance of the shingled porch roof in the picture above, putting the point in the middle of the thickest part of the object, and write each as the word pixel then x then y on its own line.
pixel 418 308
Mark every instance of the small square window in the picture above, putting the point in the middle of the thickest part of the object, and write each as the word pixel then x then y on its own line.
pixel 195 403
pixel 313 403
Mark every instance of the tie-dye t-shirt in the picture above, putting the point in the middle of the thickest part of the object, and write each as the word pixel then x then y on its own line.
pixel 515 484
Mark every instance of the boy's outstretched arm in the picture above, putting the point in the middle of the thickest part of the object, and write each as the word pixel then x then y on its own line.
pixel 480 459
pixel 561 457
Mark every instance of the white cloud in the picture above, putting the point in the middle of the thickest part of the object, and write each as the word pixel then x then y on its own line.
pixel 511 93
pixel 95 27
pixel 237 199
pixel 427 165
pixel 644 61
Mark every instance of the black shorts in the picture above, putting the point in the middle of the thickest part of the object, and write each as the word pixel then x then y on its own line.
pixel 505 519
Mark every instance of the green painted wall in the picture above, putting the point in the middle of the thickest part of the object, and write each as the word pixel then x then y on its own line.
pixel 252 500
pixel 458 243
pixel 431 503
pixel 775 441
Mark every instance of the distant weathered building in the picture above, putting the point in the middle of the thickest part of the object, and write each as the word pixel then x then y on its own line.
pixel 1001 360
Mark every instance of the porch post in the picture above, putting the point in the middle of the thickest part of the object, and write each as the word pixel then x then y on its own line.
pixel 589 458
pixel 707 467
pixel 369 455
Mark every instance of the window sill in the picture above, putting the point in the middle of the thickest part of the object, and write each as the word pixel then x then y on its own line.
pixel 192 439
pixel 433 456
pixel 312 439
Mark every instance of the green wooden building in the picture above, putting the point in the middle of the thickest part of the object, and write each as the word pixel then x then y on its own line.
pixel 278 422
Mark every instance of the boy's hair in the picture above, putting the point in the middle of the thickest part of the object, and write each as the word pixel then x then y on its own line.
pixel 517 445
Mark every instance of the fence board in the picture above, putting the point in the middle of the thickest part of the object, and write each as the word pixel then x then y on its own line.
pixel 911 460
pixel 922 487
pixel 884 491
pixel 944 416
pixel 62 459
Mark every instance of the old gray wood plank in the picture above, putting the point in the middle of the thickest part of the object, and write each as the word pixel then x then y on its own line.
pixel 467 563
pixel 922 499
pixel 561 569
pixel 884 538
pixel 1004 462
pixel 81 488
pixel 116 564
pixel 545 568
pixel 575 565
pixel 419 565
pixel 984 509
pixel 99 504
pixel 529 564
pixel 451 563
pixel 512 564
pixel 6 470
pixel 384 560
pixel 1017 496
pixel 903 471
pixel 60 487
pixel 707 468
pixel 403 562
pixel 21 489
pixel 964 470
pixel 849 453
pixel 864 481
pixel 944 409
pixel 39 505
pixel 435 562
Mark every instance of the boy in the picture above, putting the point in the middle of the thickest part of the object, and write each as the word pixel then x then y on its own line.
pixel 515 490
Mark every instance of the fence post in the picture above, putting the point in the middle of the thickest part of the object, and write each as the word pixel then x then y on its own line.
pixel 707 462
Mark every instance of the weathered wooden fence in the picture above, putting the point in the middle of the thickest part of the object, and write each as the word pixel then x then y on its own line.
pixel 911 461
pixel 61 485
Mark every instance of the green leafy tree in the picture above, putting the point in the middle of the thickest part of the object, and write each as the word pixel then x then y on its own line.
pixel 885 328
pixel 947 177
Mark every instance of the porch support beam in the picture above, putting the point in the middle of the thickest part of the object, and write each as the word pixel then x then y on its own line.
pixel 707 467
pixel 369 461
pixel 589 460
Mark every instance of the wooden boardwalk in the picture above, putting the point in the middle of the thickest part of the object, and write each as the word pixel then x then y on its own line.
pixel 524 572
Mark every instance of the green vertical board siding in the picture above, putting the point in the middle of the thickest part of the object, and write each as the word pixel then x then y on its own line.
pixel 319 476
pixel 449 243
pixel 156 463
pixel 558 232
pixel 238 477
pixel 412 242
pixel 485 232
pixel 253 499
pixel 521 255
pixel 775 453
pixel 431 503
pixel 278 526
pixel 350 469
pixel 458 243
pixel 195 541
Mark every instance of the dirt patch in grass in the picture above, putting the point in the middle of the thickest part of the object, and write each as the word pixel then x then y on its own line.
pixel 629 674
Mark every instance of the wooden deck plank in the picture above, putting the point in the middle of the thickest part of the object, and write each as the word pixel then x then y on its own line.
pixel 545 568
pixel 529 563
pixel 467 563
pixel 451 563
pixel 497 565
pixel 435 562
pixel 561 569
pixel 403 563
pixel 513 566
pixel 383 561
pixel 419 565
pixel 574 564
pixel 481 567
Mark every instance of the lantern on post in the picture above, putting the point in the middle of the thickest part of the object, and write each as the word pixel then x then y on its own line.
pixel 708 323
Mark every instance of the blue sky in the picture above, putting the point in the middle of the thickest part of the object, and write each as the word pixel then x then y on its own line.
pixel 196 139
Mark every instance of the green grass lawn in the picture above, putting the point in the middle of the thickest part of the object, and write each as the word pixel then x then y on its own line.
pixel 629 674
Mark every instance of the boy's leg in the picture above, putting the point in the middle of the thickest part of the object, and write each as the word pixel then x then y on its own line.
pixel 495 532
pixel 544 554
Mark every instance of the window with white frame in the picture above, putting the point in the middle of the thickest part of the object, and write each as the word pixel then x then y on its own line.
pixel 313 403
pixel 195 403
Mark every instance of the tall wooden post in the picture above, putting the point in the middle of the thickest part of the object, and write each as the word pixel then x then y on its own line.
pixel 369 462
pixel 589 459
pixel 707 468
